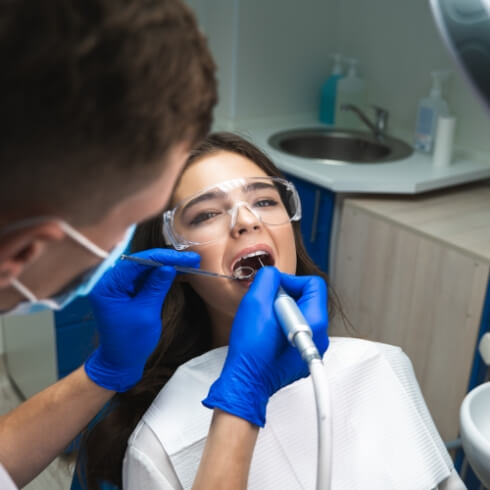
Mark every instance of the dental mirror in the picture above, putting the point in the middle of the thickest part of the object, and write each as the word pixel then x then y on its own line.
pixel 244 272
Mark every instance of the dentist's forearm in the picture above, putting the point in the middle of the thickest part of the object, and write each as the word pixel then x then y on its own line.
pixel 33 434
pixel 227 455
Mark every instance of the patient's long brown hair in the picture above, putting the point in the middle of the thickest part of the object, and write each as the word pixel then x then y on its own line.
pixel 186 334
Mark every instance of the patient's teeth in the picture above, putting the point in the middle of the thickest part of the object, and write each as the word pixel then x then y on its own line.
pixel 254 254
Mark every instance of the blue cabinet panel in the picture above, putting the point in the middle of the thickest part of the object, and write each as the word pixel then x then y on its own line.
pixel 74 343
pixel 479 371
pixel 76 335
pixel 317 206
pixel 77 311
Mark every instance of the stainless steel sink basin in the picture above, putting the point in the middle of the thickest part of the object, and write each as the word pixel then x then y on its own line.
pixel 338 146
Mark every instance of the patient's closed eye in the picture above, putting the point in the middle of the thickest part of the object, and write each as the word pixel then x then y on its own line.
pixel 203 217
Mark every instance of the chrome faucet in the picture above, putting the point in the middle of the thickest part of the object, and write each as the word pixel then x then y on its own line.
pixel 380 119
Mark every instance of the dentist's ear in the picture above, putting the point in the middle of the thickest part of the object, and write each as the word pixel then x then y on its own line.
pixel 21 247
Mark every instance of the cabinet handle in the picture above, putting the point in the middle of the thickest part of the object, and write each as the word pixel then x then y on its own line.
pixel 316 212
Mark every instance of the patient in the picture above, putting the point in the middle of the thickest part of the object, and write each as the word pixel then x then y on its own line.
pixel 232 206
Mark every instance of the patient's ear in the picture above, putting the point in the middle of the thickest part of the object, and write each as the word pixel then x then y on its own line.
pixel 21 247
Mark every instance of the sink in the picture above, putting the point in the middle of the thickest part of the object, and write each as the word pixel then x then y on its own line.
pixel 340 146
pixel 475 430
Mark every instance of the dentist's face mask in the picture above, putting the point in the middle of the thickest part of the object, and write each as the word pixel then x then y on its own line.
pixel 83 286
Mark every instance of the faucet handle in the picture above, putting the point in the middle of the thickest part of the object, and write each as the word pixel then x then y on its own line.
pixel 381 118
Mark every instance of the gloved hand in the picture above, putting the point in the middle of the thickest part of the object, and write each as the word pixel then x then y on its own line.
pixel 127 304
pixel 260 359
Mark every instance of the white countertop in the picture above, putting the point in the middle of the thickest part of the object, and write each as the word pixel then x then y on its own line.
pixel 409 176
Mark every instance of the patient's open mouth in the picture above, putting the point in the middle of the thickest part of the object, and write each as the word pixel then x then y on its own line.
pixel 247 266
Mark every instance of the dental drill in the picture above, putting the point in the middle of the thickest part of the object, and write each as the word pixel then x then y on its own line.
pixel 299 334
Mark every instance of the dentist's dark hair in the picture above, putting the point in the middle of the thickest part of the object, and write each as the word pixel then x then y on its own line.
pixel 94 95
pixel 186 331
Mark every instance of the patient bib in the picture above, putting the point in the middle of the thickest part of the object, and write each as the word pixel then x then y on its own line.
pixel 383 435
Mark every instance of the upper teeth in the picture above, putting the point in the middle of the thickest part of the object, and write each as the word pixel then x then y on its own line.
pixel 254 254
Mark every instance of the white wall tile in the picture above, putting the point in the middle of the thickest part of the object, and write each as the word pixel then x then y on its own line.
pixel 282 54
pixel 218 20
pixel 271 56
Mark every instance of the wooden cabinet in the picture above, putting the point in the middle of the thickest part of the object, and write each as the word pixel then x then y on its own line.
pixel 414 272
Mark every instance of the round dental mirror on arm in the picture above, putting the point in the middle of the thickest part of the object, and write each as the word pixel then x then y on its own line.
pixel 465 29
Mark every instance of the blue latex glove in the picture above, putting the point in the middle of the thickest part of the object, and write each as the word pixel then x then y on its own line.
pixel 260 359
pixel 127 304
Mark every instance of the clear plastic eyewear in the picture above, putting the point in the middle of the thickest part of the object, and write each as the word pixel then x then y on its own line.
pixel 209 215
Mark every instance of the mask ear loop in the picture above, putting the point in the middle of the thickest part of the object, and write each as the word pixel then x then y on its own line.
pixel 83 240
pixel 77 237
pixel 27 293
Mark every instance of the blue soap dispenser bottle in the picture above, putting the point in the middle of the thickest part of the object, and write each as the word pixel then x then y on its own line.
pixel 329 91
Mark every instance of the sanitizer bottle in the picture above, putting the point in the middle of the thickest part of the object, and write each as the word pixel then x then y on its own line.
pixel 429 110
pixel 329 91
pixel 350 90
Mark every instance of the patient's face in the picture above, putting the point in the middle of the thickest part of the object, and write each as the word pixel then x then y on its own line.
pixel 249 235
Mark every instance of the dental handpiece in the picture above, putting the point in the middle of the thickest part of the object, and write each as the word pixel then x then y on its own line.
pixel 187 270
pixel 300 335
pixel 295 326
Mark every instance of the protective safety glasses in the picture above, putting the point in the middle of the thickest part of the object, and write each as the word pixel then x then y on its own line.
pixel 210 215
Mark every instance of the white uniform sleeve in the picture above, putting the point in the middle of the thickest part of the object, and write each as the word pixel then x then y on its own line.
pixel 146 464
pixel 6 482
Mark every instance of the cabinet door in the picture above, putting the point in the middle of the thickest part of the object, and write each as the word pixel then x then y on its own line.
pixel 74 343
pixel 316 223
pixel 403 288
pixel 76 335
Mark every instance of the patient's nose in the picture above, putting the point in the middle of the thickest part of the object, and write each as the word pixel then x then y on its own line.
pixel 245 220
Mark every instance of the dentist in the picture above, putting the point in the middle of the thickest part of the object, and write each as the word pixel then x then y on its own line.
pixel 100 103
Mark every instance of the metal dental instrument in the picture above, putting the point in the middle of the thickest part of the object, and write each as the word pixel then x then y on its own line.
pixel 191 270
pixel 299 334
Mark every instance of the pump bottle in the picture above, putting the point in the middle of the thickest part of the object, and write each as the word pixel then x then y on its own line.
pixel 329 91
pixel 429 110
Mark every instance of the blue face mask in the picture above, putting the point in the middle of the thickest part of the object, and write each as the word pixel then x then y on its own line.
pixel 83 287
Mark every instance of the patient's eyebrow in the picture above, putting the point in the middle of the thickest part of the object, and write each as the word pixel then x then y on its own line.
pixel 207 196
pixel 253 186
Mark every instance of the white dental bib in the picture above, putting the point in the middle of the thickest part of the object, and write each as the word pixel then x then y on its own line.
pixel 383 435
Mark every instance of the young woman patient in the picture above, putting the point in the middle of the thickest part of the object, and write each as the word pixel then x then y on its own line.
pixel 233 207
